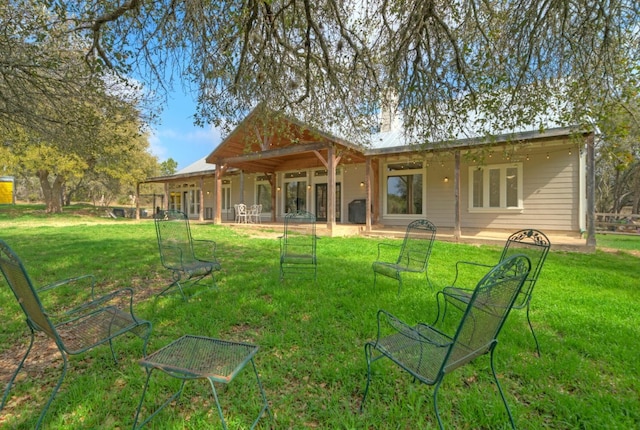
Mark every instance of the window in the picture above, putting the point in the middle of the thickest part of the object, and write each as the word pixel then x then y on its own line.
pixel 295 197
pixel 226 197
pixel 263 193
pixel 194 202
pixel 175 201
pixel 404 188
pixel 495 187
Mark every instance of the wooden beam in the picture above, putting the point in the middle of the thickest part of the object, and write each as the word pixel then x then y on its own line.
pixel 321 158
pixel 217 218
pixel 331 189
pixel 273 153
pixel 367 190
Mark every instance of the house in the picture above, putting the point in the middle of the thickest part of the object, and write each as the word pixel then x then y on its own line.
pixel 517 180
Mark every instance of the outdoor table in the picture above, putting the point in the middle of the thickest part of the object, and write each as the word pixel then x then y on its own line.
pixel 197 357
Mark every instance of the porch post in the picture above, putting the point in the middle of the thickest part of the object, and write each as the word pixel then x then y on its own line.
pixel 274 189
pixel 217 218
pixel 201 211
pixel 375 192
pixel 137 200
pixel 367 190
pixel 166 197
pixel 456 197
pixel 331 189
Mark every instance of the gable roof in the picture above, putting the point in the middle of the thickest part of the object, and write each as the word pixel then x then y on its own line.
pixel 266 141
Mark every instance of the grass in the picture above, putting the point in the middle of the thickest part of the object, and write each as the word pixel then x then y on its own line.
pixel 311 336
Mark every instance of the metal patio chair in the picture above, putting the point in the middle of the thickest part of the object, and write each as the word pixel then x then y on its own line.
pixel 413 254
pixel 298 244
pixel 532 243
pixel 92 320
pixel 428 353
pixel 181 254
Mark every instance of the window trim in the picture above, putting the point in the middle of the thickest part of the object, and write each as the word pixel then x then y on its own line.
pixel 257 184
pixel 503 189
pixel 386 174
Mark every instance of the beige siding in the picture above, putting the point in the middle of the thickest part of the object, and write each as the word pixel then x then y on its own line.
pixel 352 176
pixel 550 193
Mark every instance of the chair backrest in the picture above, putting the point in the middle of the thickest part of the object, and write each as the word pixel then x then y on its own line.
pixel 417 244
pixel 174 239
pixel 299 233
pixel 20 283
pixel 487 311
pixel 535 245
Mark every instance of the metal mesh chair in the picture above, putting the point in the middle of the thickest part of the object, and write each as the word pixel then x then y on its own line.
pixel 298 244
pixel 183 255
pixel 428 353
pixel 413 254
pixel 74 329
pixel 532 243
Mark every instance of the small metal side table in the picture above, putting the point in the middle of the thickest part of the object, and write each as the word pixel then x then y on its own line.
pixel 197 357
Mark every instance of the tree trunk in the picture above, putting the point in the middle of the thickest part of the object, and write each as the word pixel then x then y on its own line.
pixel 52 191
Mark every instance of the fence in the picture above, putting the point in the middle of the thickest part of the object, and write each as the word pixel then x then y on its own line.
pixel 618 223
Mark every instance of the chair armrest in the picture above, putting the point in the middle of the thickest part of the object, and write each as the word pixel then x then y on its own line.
pixel 423 333
pixel 67 281
pixel 202 243
pixel 382 245
pixel 123 295
pixel 461 264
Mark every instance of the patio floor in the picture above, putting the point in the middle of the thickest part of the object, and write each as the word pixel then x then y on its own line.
pixel 559 240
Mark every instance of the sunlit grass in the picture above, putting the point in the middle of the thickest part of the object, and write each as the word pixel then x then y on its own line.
pixel 311 337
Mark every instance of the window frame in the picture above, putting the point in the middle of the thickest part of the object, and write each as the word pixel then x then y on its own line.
pixel 486 188
pixel 419 169
pixel 262 181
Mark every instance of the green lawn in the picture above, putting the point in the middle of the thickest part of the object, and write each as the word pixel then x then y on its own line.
pixel 311 336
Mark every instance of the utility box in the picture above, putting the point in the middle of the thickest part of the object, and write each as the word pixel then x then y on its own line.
pixel 7 188
pixel 358 211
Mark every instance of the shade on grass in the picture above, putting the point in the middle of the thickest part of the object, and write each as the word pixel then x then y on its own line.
pixel 311 337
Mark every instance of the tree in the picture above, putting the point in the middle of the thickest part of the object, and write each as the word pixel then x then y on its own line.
pixel 334 63
pixel 168 167
pixel 618 168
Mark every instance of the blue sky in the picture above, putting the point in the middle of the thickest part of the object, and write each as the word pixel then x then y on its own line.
pixel 175 136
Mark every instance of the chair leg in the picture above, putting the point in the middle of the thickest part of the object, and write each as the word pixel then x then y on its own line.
pixel 55 390
pixel 435 404
pixel 215 397
pixel 113 352
pixel 504 399
pixel 367 354
pixel 13 377
pixel 162 406
pixel 443 309
pixel 532 332
pixel 265 406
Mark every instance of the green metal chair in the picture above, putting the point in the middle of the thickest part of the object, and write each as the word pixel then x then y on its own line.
pixel 181 254
pixel 428 353
pixel 532 243
pixel 92 320
pixel 413 255
pixel 298 244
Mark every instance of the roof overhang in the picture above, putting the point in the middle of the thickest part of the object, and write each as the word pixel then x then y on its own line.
pixel 507 138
